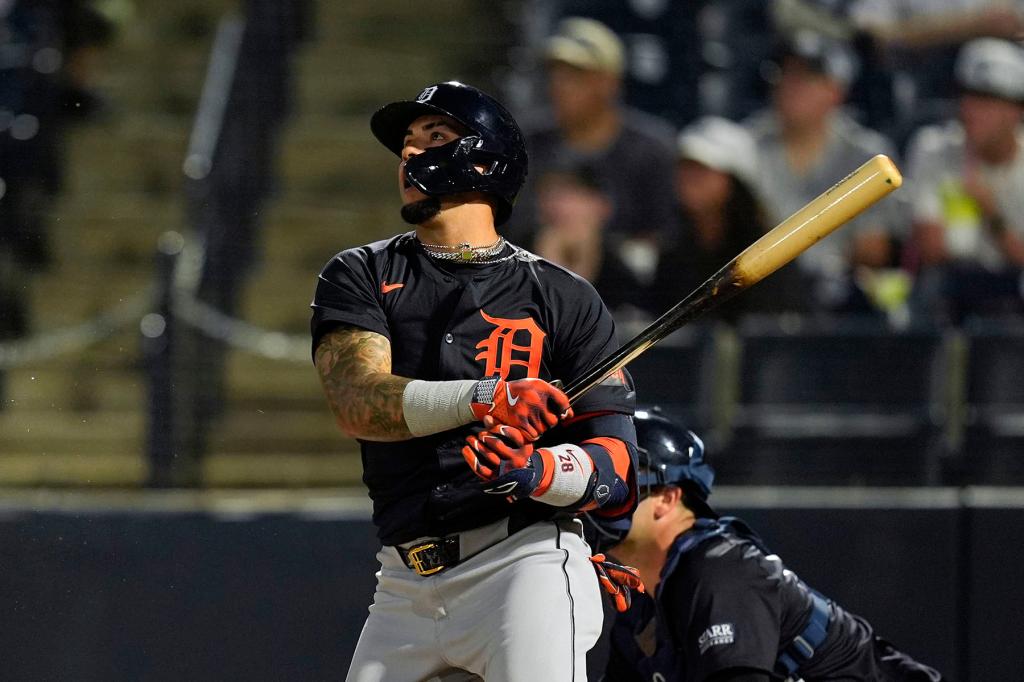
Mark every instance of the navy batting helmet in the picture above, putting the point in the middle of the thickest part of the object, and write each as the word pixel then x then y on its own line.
pixel 671 455
pixel 494 143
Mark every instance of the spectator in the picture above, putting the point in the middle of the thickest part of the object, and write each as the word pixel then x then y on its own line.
pixel 968 189
pixel 806 142
pixel 721 216
pixel 574 210
pixel 919 40
pixel 665 52
pixel 870 96
pixel 737 38
pixel 922 24
pixel 631 151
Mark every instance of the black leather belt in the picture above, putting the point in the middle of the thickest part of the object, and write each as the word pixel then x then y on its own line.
pixel 431 556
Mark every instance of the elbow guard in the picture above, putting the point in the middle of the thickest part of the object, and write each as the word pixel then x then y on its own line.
pixel 613 469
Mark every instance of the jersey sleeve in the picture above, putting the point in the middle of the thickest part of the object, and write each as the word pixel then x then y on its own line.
pixel 586 336
pixel 726 612
pixel 346 294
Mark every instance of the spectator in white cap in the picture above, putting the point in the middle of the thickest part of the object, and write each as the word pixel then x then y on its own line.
pixel 631 151
pixel 720 216
pixel 806 143
pixel 718 144
pixel 967 188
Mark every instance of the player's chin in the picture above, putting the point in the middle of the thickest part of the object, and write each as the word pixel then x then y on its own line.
pixel 419 212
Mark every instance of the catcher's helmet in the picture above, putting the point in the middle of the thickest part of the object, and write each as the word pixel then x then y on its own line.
pixel 670 455
pixel 494 142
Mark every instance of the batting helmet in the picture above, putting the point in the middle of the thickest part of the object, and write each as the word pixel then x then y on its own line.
pixel 671 455
pixel 495 143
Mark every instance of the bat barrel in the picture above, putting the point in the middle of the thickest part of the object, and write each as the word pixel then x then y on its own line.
pixel 837 205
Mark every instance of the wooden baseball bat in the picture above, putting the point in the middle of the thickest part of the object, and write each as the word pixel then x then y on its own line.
pixel 842 202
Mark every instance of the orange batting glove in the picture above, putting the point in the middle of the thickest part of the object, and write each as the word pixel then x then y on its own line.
pixel 617 580
pixel 486 451
pixel 530 405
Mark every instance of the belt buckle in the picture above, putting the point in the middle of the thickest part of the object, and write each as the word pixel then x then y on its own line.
pixel 418 564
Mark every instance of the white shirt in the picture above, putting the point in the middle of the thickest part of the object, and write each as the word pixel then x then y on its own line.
pixel 782 191
pixel 875 12
pixel 935 171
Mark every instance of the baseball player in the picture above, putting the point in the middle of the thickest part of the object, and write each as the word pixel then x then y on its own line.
pixel 719 606
pixel 436 349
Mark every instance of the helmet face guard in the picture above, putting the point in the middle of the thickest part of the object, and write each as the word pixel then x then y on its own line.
pixel 452 168
pixel 494 143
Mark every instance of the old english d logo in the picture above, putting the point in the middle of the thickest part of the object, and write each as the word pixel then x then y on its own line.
pixel 513 342
pixel 426 94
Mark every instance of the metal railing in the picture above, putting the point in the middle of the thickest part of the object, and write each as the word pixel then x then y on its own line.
pixel 201 271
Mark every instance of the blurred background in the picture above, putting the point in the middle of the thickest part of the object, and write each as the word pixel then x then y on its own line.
pixel 175 500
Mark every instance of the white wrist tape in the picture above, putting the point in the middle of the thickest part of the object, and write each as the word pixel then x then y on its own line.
pixel 572 469
pixel 435 406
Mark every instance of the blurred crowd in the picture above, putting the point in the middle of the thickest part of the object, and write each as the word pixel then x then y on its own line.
pixel 763 106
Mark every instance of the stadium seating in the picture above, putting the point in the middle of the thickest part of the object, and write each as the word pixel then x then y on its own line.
pixel 993 447
pixel 837 402
pixel 679 375
pixel 79 419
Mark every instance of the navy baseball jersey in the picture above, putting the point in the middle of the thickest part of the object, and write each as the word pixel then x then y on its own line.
pixel 725 603
pixel 516 316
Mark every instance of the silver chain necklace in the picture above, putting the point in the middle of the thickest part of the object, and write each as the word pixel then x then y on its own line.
pixel 464 252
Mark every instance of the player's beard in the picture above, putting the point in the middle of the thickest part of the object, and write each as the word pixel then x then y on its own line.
pixel 419 212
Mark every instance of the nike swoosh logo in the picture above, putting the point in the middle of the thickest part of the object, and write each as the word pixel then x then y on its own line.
pixel 508 394
pixel 387 288
pixel 503 489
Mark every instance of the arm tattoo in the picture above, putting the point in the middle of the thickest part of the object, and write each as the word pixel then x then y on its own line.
pixel 365 397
